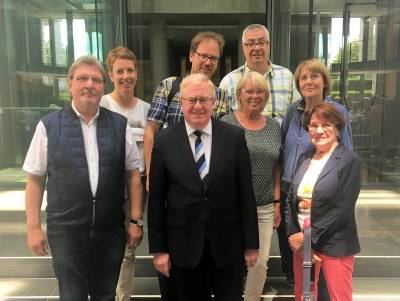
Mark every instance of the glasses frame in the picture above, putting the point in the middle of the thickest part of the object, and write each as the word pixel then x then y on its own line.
pixel 254 44
pixel 325 127
pixel 258 92
pixel 194 100
pixel 83 79
pixel 204 57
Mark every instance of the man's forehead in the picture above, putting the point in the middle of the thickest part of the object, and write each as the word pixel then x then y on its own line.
pixel 87 69
pixel 202 88
pixel 208 44
pixel 255 34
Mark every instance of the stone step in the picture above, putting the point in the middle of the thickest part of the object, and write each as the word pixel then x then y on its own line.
pixel 40 289
pixel 41 267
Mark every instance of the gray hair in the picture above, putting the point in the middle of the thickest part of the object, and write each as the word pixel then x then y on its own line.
pixel 196 79
pixel 255 27
pixel 86 60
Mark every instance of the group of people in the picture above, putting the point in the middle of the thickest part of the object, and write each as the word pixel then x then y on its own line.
pixel 222 167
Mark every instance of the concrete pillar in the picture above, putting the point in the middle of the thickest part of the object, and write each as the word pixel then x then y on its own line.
pixel 159 50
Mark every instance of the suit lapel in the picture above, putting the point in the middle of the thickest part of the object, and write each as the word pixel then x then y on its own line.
pixel 217 142
pixel 332 162
pixel 185 150
pixel 300 172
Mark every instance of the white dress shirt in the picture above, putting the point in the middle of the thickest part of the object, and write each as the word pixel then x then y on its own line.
pixel 206 135
pixel 36 158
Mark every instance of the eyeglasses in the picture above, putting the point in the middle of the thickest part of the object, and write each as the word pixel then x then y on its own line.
pixel 204 57
pixel 251 92
pixel 325 127
pixel 252 44
pixel 202 100
pixel 85 79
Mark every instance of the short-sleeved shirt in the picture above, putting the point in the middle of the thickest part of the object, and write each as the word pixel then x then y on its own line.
pixel 165 114
pixel 36 158
pixel 282 86
pixel 263 145
pixel 136 117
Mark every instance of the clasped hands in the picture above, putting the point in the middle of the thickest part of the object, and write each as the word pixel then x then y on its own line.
pixel 296 243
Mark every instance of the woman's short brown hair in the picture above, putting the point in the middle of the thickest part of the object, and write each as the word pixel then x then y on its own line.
pixel 316 66
pixel 328 112
pixel 119 52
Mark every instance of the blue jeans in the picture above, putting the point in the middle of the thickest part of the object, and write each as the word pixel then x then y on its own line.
pixel 86 261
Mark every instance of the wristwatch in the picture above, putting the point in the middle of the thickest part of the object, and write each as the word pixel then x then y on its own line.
pixel 138 222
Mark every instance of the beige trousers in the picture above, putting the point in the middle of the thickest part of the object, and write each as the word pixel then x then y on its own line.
pixel 257 274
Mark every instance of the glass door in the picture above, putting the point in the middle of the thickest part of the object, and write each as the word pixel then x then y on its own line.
pixel 369 84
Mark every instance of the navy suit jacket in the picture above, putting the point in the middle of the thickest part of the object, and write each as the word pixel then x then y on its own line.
pixel 182 213
pixel 334 229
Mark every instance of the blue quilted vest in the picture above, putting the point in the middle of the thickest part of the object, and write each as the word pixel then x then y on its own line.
pixel 69 198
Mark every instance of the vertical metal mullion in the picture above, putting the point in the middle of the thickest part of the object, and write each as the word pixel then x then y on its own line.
pixel 52 43
pixel 70 37
pixel 97 28
pixel 310 50
pixel 123 15
pixel 269 23
pixel 344 63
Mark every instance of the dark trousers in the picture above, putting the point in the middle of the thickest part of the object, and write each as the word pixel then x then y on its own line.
pixel 167 288
pixel 207 278
pixel 284 248
pixel 86 262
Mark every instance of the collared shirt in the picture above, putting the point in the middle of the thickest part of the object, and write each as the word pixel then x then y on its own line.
pixel 282 86
pixel 36 158
pixel 206 135
pixel 165 114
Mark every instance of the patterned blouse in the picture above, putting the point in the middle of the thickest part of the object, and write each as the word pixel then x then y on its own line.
pixel 263 145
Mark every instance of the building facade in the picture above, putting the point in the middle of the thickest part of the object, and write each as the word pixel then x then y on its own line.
pixel 358 40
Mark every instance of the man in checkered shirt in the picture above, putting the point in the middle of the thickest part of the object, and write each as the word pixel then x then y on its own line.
pixel 256 47
pixel 205 50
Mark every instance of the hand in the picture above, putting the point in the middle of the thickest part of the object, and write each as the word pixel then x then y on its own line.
pixel 315 257
pixel 37 242
pixel 296 241
pixel 250 256
pixel 162 263
pixel 277 215
pixel 147 183
pixel 135 235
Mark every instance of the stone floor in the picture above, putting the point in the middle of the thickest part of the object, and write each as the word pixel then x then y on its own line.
pixel 376 275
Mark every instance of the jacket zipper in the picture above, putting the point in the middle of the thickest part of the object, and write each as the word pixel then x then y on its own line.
pixel 93 211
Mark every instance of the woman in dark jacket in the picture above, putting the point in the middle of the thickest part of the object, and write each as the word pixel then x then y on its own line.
pixel 324 192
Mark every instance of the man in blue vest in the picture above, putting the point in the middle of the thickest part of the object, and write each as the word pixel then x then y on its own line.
pixel 87 154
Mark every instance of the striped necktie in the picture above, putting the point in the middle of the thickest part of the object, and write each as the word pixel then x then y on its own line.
pixel 199 156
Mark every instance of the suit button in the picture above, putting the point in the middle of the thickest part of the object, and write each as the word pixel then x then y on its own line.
pixel 205 198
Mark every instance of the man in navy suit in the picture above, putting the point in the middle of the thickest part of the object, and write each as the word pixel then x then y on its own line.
pixel 202 215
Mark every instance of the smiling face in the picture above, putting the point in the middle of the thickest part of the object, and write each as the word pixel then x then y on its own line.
pixel 255 53
pixel 123 75
pixel 324 135
pixel 86 86
pixel 311 84
pixel 207 47
pixel 252 98
pixel 197 101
